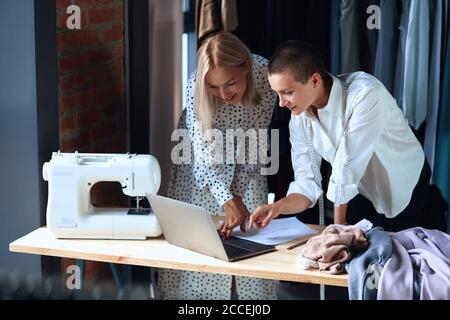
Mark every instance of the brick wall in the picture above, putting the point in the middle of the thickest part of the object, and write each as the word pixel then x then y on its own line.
pixel 91 77
pixel 91 85
pixel 92 96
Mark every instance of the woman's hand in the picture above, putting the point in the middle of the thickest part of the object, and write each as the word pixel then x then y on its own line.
pixel 236 214
pixel 263 215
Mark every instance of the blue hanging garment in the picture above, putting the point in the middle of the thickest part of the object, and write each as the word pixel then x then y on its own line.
pixel 442 160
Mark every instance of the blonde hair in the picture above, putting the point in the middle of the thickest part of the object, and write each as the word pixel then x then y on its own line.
pixel 222 49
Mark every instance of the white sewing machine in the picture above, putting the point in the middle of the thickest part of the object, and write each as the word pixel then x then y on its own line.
pixel 70 213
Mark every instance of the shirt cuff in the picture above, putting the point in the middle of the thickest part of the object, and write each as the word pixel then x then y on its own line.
pixel 341 194
pixel 309 189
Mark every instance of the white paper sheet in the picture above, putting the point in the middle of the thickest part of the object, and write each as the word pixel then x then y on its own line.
pixel 278 231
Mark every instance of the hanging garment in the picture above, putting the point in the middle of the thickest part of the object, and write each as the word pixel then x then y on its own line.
pixel 335 38
pixel 358 41
pixel 210 186
pixel 446 24
pixel 442 159
pixel 369 38
pixel 400 65
pixel 252 25
pixel 229 15
pixel 297 20
pixel 417 48
pixel 434 92
pixel 387 44
pixel 208 19
pixel 350 40
pixel 213 16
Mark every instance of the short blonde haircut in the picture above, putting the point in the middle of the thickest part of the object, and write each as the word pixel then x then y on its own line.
pixel 222 49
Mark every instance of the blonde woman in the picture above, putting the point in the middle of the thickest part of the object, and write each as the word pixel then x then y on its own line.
pixel 229 90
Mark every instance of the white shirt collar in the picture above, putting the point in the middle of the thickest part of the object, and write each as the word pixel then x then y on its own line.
pixel 333 104
pixel 335 98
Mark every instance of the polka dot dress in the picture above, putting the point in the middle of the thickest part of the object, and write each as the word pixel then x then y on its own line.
pixel 210 185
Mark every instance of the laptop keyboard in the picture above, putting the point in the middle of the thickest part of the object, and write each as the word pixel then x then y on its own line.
pixel 234 251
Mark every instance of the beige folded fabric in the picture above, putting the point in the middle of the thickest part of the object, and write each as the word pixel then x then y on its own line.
pixel 332 248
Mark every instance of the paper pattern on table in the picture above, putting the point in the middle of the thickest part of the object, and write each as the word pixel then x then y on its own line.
pixel 278 231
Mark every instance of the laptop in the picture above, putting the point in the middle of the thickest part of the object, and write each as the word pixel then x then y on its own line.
pixel 191 227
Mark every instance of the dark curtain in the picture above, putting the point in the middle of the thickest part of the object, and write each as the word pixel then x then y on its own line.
pixel 264 24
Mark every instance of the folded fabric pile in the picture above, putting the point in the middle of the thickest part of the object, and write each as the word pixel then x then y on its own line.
pixel 329 251
pixel 365 268
pixel 419 267
pixel 408 265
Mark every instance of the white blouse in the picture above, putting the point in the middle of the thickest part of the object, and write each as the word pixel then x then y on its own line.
pixel 224 180
pixel 376 155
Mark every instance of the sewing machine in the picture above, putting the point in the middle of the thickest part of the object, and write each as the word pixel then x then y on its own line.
pixel 70 213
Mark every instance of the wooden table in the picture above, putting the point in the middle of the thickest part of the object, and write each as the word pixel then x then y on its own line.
pixel 157 252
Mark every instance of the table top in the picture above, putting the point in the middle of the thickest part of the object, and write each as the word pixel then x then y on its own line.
pixel 157 252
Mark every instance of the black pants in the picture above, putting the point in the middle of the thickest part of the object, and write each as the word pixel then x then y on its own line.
pixel 426 208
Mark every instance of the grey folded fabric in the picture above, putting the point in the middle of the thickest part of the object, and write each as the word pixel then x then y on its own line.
pixel 364 270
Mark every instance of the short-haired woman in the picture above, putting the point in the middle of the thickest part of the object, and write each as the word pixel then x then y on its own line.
pixel 379 170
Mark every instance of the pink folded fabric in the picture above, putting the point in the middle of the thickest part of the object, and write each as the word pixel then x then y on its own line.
pixel 332 248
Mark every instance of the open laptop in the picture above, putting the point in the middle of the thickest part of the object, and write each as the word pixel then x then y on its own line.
pixel 191 227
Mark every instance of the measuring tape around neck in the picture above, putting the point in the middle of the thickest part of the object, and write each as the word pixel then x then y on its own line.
pixel 316 171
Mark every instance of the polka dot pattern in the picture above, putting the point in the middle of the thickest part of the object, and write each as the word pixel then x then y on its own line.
pixel 211 185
